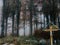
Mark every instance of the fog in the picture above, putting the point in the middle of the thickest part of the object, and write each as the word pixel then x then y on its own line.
pixel 21 30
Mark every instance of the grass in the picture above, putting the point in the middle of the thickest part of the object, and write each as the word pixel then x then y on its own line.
pixel 15 40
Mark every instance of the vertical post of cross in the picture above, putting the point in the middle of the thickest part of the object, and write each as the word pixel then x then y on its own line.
pixel 51 36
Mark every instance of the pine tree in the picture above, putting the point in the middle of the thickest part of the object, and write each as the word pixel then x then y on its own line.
pixel 31 13
pixel 50 9
pixel 2 26
pixel 18 15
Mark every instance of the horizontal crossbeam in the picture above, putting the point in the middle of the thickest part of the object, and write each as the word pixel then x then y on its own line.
pixel 51 30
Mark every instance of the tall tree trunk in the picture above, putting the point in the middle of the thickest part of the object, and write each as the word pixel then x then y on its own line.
pixel 24 21
pixel 59 21
pixel 35 16
pixel 53 13
pixel 2 30
pixel 13 24
pixel 31 13
pixel 44 22
pixel 47 20
pixel 24 17
pixel 18 16
pixel 6 26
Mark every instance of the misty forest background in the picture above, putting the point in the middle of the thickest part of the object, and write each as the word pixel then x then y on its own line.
pixel 22 17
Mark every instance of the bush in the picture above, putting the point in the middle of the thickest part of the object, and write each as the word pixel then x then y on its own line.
pixel 37 34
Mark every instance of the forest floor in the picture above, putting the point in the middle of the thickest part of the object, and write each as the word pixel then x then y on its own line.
pixel 15 41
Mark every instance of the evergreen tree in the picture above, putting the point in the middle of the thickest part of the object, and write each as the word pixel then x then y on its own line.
pixel 18 15
pixel 31 13
pixel 50 9
pixel 2 26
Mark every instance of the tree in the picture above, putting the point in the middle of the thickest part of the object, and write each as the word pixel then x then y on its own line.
pixel 50 9
pixel 35 10
pixel 2 26
pixel 18 15
pixel 31 13
pixel 46 10
pixel 53 11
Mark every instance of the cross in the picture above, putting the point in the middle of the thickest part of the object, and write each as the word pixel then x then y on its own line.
pixel 51 35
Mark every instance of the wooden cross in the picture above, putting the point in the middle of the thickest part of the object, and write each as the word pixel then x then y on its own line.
pixel 51 35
